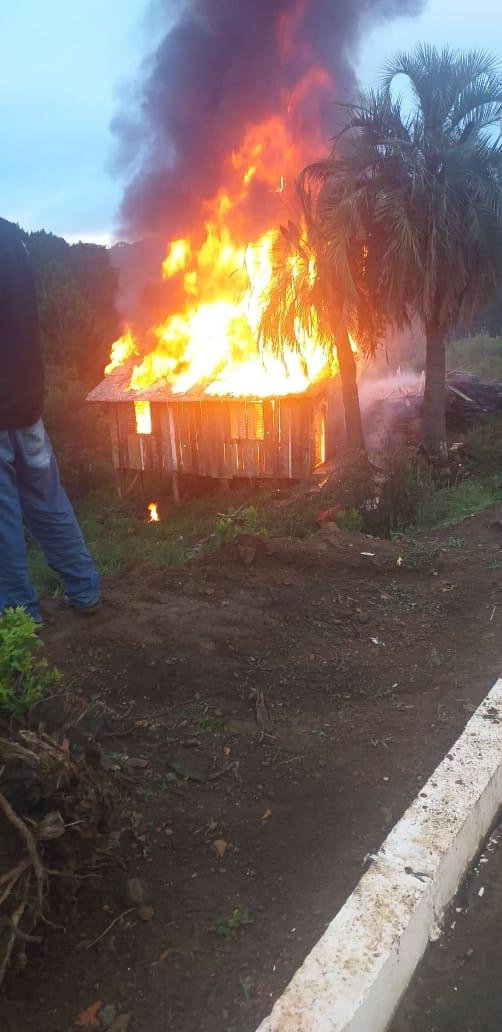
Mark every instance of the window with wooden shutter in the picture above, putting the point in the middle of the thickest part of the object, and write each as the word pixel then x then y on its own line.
pixel 246 421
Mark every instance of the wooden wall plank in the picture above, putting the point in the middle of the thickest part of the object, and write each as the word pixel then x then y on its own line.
pixel 166 459
pixel 193 437
pixel 209 435
pixel 115 435
pixel 184 427
pixel 199 437
pixel 283 464
pixel 268 450
pixel 221 418
pixel 307 439
pixel 177 410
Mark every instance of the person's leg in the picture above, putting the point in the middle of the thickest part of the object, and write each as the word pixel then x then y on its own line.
pixel 49 516
pixel 15 587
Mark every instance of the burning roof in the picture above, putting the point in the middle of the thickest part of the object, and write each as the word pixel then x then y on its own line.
pixel 116 388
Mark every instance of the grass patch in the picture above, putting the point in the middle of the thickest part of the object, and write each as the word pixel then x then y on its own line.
pixel 443 506
pixel 481 355
pixel 118 535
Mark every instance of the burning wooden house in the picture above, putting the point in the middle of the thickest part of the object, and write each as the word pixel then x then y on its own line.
pixel 194 388
pixel 199 394
pixel 220 436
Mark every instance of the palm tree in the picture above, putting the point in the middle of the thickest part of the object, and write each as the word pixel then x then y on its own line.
pixel 419 180
pixel 304 301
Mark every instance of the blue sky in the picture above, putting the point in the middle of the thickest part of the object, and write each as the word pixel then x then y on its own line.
pixel 62 63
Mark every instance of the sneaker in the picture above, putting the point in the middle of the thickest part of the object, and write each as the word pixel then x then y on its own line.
pixel 86 610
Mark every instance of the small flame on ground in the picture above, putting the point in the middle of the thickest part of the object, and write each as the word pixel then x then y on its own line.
pixel 153 510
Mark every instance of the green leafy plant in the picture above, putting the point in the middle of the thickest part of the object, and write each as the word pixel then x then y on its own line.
pixel 349 519
pixel 24 679
pixel 252 522
pixel 224 530
pixel 229 926
pixel 248 520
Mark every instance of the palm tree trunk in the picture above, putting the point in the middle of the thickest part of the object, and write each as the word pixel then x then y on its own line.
pixel 434 419
pixel 350 394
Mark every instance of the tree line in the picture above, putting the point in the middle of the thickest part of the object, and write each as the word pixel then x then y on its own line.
pixel 76 287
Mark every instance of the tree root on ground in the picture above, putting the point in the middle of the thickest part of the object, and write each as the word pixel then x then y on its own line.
pixel 55 830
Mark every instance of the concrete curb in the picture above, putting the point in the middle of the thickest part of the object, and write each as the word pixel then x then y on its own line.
pixel 354 977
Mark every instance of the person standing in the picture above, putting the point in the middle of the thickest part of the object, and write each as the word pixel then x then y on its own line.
pixel 31 494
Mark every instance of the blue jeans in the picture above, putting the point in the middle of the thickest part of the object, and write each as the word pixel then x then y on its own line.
pixel 31 494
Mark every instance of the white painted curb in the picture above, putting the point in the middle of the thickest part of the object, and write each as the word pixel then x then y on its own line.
pixel 354 977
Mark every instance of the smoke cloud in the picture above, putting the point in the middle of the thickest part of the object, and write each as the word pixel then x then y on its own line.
pixel 221 68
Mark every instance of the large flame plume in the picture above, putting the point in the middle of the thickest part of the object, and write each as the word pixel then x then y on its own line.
pixel 213 338
pixel 239 97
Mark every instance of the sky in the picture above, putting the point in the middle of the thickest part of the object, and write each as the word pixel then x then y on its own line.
pixel 64 64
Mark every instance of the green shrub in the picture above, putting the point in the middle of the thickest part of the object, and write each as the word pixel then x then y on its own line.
pixel 23 678
pixel 252 522
pixel 484 447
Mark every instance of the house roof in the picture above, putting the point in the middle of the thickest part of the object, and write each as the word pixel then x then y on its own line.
pixel 115 388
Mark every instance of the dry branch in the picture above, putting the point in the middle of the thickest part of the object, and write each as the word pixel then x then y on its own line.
pixel 30 843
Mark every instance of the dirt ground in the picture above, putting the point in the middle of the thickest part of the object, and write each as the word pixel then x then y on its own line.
pixel 457 987
pixel 271 722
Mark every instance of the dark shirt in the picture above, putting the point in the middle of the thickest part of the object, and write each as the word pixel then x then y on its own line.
pixel 21 366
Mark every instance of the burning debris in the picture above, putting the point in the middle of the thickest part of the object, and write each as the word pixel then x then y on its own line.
pixel 153 511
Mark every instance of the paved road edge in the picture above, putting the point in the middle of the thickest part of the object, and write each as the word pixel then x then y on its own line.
pixel 353 978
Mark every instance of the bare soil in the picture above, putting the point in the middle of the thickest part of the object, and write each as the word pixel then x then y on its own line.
pixel 271 721
pixel 457 987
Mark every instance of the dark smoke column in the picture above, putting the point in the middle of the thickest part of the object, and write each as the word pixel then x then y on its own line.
pixel 226 66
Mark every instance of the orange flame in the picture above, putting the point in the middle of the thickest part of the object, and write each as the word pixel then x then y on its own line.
pixel 153 509
pixel 143 417
pixel 121 350
pixel 213 339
